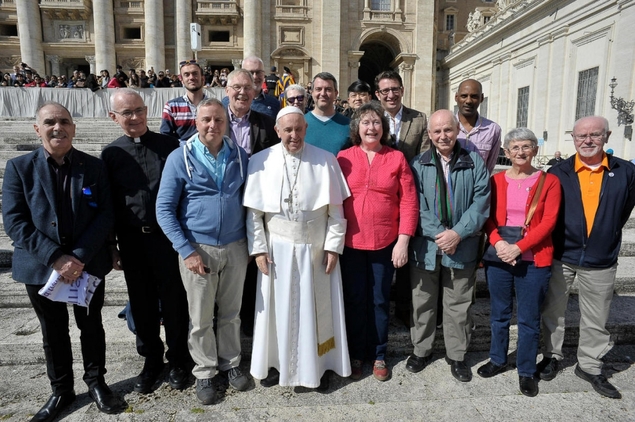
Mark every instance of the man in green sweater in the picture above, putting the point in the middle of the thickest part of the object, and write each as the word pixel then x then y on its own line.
pixel 327 128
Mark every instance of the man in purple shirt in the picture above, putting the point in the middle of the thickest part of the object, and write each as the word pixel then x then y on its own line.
pixel 254 132
pixel 476 133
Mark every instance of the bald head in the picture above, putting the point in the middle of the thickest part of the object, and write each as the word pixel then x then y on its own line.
pixel 443 129
pixel 128 111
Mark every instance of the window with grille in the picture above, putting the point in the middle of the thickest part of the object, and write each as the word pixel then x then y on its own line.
pixel 449 22
pixel 523 107
pixel 482 110
pixel 587 90
pixel 383 5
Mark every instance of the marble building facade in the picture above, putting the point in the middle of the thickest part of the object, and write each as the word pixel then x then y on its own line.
pixel 350 39
pixel 545 63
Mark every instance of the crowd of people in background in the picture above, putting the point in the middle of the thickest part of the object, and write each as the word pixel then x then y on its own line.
pixel 332 210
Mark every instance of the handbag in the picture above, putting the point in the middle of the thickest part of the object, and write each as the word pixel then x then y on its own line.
pixel 513 234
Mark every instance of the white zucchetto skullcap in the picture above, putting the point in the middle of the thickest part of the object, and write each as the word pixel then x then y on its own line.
pixel 288 110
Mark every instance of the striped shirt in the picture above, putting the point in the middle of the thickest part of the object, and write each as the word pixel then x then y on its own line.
pixel 179 118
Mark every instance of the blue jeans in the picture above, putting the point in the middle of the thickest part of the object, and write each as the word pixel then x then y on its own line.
pixel 366 279
pixel 530 284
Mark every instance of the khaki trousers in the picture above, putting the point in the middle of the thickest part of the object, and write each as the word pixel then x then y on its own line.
pixel 595 295
pixel 223 286
pixel 458 289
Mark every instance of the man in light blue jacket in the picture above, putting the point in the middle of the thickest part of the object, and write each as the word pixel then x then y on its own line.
pixel 454 197
pixel 199 208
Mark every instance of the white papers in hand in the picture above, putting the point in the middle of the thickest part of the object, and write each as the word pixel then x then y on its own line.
pixel 80 292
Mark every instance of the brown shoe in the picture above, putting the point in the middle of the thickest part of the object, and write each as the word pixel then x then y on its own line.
pixel 356 369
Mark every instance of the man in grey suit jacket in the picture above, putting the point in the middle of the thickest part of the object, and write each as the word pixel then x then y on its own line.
pixel 409 134
pixel 408 127
pixel 56 208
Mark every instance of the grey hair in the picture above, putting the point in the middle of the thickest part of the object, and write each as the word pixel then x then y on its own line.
pixel 50 103
pixel 603 119
pixel 208 102
pixel 122 92
pixel 295 87
pixel 237 72
pixel 520 134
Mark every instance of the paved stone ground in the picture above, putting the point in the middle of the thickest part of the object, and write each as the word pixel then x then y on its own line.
pixel 433 394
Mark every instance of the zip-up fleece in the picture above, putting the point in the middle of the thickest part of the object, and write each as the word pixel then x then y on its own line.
pixel 192 208
pixel 617 197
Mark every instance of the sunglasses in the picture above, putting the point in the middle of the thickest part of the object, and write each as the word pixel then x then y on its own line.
pixel 186 62
pixel 299 99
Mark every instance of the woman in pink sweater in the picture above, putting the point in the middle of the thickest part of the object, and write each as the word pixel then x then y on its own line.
pixel 381 215
pixel 523 266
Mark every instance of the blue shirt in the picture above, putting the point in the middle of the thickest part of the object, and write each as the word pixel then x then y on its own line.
pixel 214 165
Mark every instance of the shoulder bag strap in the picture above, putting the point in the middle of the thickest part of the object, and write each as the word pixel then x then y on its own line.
pixel 534 201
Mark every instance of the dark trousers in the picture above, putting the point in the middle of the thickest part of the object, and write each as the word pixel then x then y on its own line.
pixel 53 317
pixel 248 307
pixel 366 279
pixel 530 284
pixel 155 289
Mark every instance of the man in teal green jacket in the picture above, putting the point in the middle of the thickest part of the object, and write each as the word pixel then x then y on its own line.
pixel 454 197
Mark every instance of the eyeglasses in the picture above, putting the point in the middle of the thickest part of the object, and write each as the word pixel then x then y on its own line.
pixel 386 91
pixel 518 148
pixel 256 72
pixel 127 114
pixel 593 136
pixel 239 88
pixel 360 94
pixel 186 62
pixel 298 99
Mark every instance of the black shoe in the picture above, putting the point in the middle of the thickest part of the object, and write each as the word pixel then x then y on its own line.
pixel 528 386
pixel 273 378
pixel 459 370
pixel 548 368
pixel 105 400
pixel 599 383
pixel 324 382
pixel 147 378
pixel 237 379
pixel 205 391
pixel 416 364
pixel 54 406
pixel 178 377
pixel 490 369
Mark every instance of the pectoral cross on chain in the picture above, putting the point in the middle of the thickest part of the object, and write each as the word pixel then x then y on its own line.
pixel 289 201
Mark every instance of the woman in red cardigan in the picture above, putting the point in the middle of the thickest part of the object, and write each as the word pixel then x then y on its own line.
pixel 523 266
pixel 381 214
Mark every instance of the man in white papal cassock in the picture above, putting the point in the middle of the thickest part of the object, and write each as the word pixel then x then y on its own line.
pixel 295 231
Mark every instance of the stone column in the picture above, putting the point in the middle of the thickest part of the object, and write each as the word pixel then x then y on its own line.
pixel 55 64
pixel 30 32
pixel 104 21
pixel 183 20
pixel 331 22
pixel 91 61
pixel 154 36
pixel 353 66
pixel 251 29
pixel 405 70
pixel 237 63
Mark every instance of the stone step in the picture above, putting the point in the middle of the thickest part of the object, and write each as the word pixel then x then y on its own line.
pixel 21 340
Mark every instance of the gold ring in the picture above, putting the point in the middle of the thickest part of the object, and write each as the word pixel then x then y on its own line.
pixel 74 272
